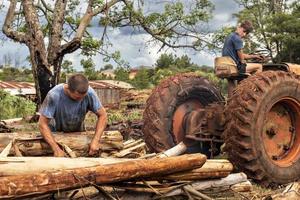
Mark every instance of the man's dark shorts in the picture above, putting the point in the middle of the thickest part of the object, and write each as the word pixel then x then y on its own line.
pixel 242 68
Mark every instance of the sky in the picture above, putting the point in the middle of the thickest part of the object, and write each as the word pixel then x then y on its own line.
pixel 131 46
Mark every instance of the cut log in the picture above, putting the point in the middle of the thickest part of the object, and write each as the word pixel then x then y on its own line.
pixel 174 151
pixel 12 121
pixel 40 183
pixel 202 185
pixel 211 169
pixel 32 144
pixel 11 166
pixel 242 187
pixel 129 150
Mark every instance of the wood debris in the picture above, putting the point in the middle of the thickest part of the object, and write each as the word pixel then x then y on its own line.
pixel 157 175
pixel 291 192
pixel 75 144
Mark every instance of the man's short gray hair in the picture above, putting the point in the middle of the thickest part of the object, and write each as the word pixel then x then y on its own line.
pixel 78 83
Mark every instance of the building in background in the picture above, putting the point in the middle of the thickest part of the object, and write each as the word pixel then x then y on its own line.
pixel 23 89
pixel 108 91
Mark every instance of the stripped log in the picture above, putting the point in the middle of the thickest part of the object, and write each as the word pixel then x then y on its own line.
pixel 174 151
pixel 32 144
pixel 205 184
pixel 11 166
pixel 40 183
pixel 242 187
pixel 211 169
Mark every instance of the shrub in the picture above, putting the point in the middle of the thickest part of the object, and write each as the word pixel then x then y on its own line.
pixel 14 106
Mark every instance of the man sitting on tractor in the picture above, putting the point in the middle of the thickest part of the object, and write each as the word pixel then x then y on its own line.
pixel 233 47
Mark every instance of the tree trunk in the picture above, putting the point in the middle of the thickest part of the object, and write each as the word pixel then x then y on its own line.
pixel 40 183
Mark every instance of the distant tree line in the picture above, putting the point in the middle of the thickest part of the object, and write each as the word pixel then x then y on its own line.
pixel 146 77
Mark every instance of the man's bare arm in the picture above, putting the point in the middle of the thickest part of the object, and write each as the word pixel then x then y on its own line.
pixel 243 56
pixel 47 135
pixel 100 126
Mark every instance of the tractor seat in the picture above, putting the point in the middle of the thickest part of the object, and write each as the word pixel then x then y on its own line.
pixel 225 67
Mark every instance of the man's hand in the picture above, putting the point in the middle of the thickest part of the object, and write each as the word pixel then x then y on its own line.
pixel 59 153
pixel 94 147
pixel 259 57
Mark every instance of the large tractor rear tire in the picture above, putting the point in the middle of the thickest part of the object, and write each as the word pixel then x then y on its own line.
pixel 167 106
pixel 262 133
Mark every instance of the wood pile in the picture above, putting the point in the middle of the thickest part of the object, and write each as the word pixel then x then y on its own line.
pixel 134 99
pixel 122 168
pixel 74 144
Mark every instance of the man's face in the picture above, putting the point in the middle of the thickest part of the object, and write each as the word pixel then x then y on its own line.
pixel 76 96
pixel 242 32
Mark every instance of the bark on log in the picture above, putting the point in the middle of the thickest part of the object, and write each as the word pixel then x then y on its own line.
pixel 211 169
pixel 40 183
pixel 32 144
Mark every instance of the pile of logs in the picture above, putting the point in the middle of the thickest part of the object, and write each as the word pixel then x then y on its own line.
pixel 74 144
pixel 123 166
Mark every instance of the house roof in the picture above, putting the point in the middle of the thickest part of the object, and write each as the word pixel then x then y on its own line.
pixel 17 88
pixel 101 85
pixel 25 88
pixel 120 84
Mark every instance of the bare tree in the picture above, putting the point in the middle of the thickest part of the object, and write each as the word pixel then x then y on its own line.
pixel 51 31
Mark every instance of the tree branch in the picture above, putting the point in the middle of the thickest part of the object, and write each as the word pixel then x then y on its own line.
pixel 74 44
pixel 7 27
pixel 46 6
pixel 55 36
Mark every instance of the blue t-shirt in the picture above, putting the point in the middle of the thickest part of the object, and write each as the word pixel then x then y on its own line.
pixel 232 44
pixel 66 114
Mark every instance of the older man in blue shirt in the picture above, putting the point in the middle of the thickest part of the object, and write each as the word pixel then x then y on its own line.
pixel 64 109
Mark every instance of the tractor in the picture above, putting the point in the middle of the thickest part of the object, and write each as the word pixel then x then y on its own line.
pixel 258 124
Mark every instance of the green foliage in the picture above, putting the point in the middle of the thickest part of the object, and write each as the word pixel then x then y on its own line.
pixel 89 68
pixel 161 74
pixel 165 61
pixel 16 74
pixel 219 83
pixel 142 79
pixel 90 46
pixel 276 28
pixel 119 115
pixel 122 74
pixel 107 66
pixel 169 61
pixel 67 68
pixel 13 106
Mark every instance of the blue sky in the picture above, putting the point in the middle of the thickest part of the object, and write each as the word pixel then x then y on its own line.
pixel 131 46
